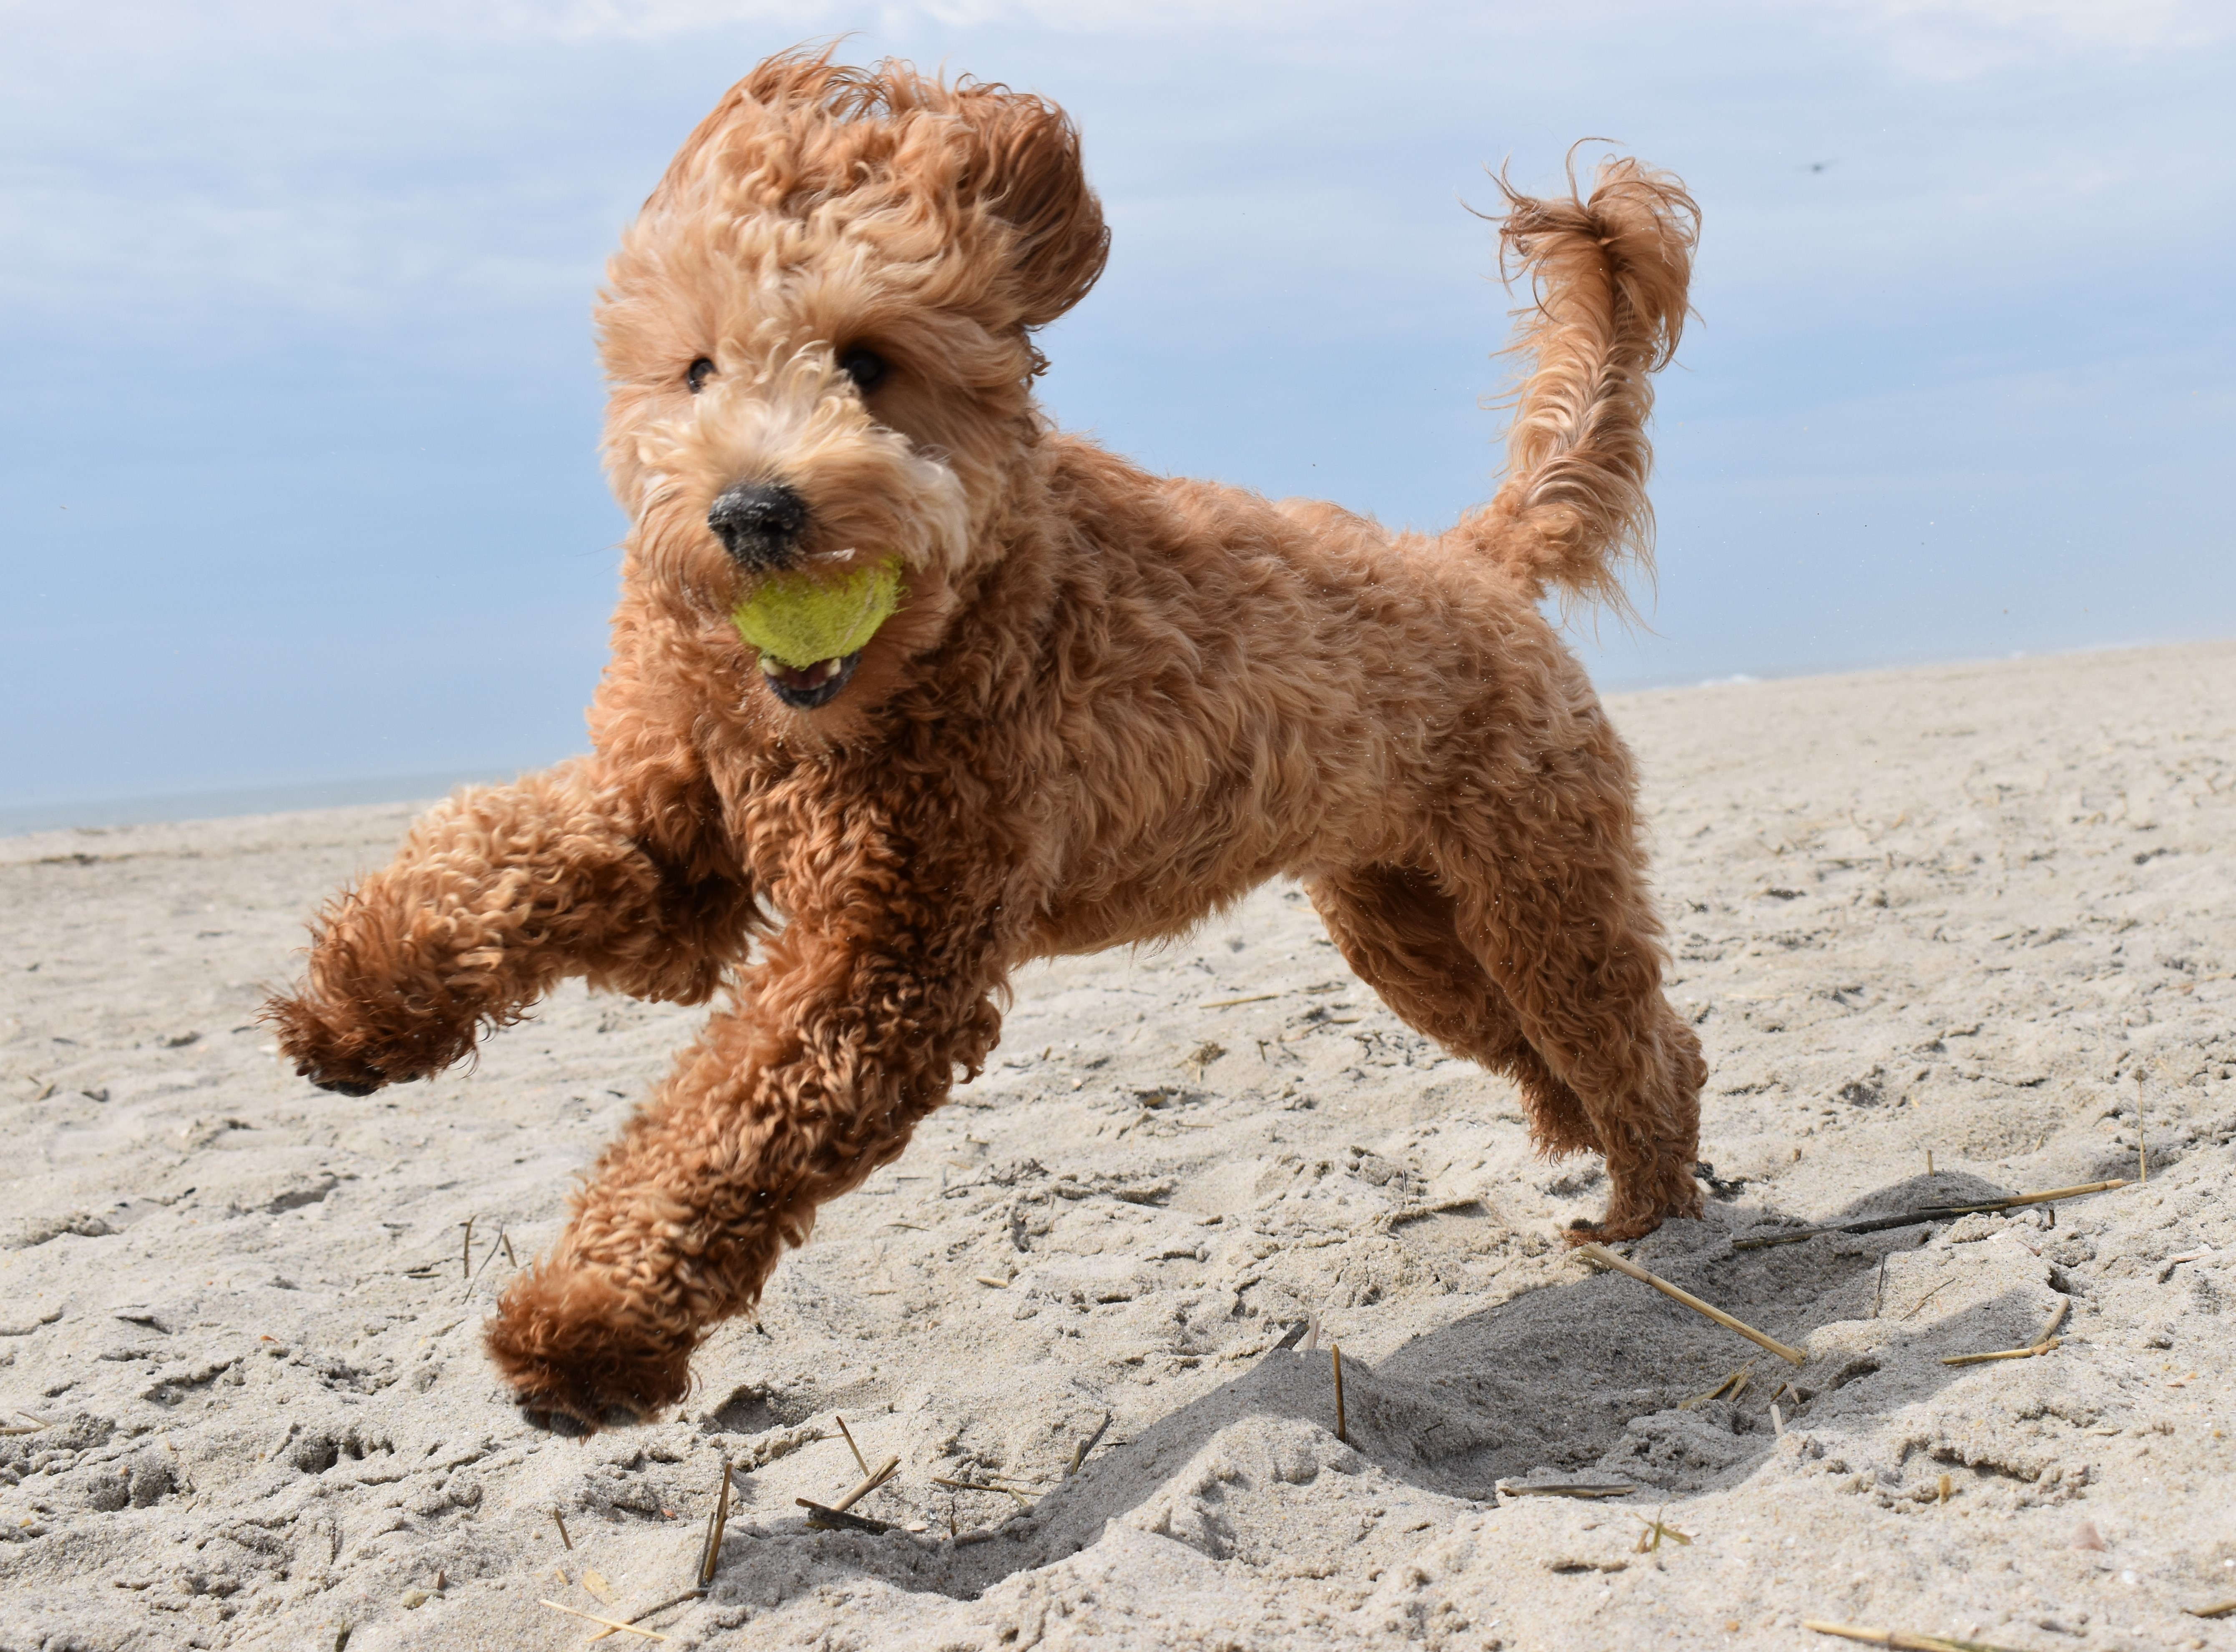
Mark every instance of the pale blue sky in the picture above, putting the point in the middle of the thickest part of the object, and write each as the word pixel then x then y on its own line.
pixel 298 478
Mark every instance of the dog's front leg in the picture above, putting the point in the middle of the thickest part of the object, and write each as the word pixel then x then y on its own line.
pixel 497 896
pixel 848 1031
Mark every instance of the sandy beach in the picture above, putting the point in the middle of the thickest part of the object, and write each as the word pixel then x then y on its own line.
pixel 1948 935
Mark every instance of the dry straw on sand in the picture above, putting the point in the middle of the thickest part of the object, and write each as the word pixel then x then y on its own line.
pixel 861 1462
pixel 1562 1488
pixel 2041 1343
pixel 1901 1640
pixel 1928 1214
pixel 611 1625
pixel 1078 1452
pixel 635 1618
pixel 1341 1432
pixel 1606 1258
pixel 839 1519
pixel 1733 1385
pixel 711 1554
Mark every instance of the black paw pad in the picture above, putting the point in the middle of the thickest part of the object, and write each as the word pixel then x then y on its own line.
pixel 345 1086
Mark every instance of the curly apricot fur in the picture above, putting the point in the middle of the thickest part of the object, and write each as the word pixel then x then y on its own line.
pixel 1112 704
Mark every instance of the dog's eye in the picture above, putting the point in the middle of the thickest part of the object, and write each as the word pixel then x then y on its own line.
pixel 697 374
pixel 866 367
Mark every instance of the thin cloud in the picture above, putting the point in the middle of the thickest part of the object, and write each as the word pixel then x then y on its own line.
pixel 1949 41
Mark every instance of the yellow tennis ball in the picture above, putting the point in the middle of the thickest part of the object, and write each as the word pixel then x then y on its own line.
pixel 798 620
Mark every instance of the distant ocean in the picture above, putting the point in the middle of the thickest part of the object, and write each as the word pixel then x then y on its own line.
pixel 211 805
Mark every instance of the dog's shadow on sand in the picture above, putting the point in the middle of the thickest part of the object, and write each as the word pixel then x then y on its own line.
pixel 1551 1379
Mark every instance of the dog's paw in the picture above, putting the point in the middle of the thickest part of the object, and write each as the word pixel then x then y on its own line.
pixel 346 1051
pixel 320 1052
pixel 1581 1232
pixel 341 1086
pixel 1636 1217
pixel 577 1361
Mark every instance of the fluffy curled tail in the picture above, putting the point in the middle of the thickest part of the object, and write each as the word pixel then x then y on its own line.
pixel 1609 273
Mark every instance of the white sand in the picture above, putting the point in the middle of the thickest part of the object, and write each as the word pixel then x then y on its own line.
pixel 1959 910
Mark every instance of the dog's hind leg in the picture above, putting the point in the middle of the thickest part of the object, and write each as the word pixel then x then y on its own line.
pixel 850 1029
pixel 1552 901
pixel 1395 929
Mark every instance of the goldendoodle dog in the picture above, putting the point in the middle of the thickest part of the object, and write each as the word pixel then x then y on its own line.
pixel 1067 705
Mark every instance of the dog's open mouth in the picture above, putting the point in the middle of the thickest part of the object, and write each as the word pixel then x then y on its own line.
pixel 810 627
pixel 805 687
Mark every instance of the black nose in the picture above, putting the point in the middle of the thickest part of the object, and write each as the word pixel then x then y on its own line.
pixel 758 522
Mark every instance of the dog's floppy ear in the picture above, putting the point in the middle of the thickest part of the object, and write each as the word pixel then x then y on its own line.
pixel 1025 170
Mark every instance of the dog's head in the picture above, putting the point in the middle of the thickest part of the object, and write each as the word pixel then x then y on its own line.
pixel 818 338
